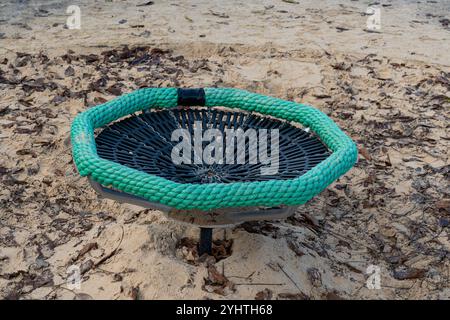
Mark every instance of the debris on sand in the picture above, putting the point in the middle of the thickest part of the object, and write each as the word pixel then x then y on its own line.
pixel 391 210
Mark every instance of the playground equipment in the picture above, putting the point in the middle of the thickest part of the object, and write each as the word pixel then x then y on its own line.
pixel 132 159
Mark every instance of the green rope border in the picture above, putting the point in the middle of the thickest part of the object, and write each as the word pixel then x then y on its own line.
pixel 214 195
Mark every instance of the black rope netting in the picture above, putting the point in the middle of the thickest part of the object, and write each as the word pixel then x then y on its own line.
pixel 143 142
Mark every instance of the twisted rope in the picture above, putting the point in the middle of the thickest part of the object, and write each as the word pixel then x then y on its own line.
pixel 213 195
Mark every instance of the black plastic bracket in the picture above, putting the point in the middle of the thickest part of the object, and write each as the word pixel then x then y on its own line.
pixel 191 97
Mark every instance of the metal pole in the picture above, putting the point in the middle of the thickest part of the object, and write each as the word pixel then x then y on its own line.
pixel 205 244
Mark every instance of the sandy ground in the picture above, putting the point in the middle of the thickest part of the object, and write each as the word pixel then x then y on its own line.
pixel 388 90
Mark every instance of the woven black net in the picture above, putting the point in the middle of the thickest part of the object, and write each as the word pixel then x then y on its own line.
pixel 144 142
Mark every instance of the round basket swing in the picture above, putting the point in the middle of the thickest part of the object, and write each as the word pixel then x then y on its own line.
pixel 170 149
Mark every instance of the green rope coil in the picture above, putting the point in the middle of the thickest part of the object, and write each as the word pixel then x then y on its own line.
pixel 213 195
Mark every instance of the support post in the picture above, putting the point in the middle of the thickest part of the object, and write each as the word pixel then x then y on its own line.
pixel 205 244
